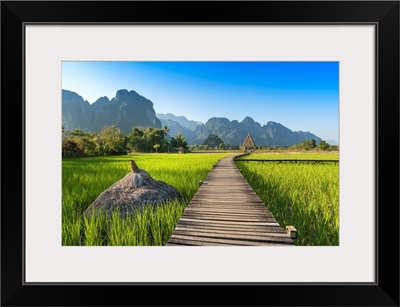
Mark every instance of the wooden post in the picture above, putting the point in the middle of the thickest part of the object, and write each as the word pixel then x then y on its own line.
pixel 292 232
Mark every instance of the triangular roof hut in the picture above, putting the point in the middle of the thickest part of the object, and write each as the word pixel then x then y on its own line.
pixel 249 143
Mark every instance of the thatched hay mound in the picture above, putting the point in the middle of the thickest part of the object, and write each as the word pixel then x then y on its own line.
pixel 132 192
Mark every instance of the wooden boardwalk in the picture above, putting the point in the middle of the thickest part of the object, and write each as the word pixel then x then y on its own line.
pixel 226 211
pixel 288 161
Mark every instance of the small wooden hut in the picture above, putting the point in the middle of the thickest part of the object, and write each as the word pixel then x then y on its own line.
pixel 248 143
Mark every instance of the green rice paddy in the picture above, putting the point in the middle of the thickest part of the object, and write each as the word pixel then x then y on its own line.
pixel 305 195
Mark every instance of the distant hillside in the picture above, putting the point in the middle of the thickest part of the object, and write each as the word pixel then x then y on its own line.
pixel 235 132
pixel 181 120
pixel 129 109
pixel 175 128
pixel 125 110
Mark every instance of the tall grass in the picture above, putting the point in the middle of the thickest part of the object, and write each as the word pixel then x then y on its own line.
pixel 83 179
pixel 303 195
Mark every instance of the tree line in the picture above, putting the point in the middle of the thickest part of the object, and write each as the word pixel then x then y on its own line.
pixel 312 144
pixel 112 141
pixel 213 141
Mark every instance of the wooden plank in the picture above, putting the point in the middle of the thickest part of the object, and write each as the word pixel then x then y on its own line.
pixel 227 207
pixel 230 214
pixel 229 222
pixel 242 228
pixel 189 240
pixel 237 210
pixel 242 202
pixel 174 241
pixel 275 238
pixel 251 203
pixel 232 232
pixel 219 192
pixel 228 210
pixel 221 217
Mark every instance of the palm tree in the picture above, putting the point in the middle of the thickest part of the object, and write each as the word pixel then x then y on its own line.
pixel 166 131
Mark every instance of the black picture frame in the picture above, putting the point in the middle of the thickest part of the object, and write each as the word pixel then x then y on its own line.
pixel 383 14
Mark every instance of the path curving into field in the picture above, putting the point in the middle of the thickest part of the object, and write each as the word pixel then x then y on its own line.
pixel 226 211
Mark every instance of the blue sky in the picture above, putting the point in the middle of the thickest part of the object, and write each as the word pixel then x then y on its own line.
pixel 299 95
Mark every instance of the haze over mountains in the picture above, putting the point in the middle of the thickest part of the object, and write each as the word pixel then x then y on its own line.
pixel 182 120
pixel 128 109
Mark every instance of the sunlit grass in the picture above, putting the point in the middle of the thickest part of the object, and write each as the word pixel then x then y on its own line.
pixel 303 195
pixel 83 179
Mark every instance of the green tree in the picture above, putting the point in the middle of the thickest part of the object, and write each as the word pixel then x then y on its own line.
pixel 155 136
pixel 135 140
pixel 166 131
pixel 305 145
pixel 137 131
pixel 78 143
pixel 111 141
pixel 323 145
pixel 143 139
pixel 70 149
pixel 179 141
pixel 156 146
pixel 80 132
pixel 312 143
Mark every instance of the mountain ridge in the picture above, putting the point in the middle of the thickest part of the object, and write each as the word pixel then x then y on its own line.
pixel 182 120
pixel 128 109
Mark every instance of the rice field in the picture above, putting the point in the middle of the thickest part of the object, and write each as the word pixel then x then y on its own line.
pixel 83 179
pixel 305 195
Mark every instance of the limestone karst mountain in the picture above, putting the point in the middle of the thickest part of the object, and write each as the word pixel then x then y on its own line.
pixel 125 110
pixel 129 109
pixel 234 132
